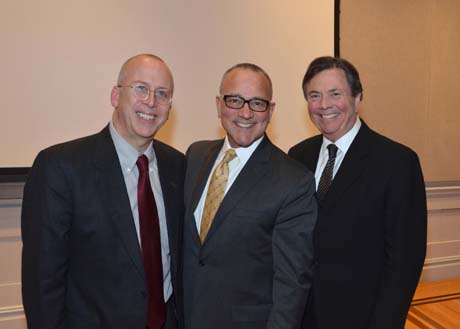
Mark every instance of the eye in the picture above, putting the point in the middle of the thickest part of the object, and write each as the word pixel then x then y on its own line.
pixel 162 93
pixel 233 100
pixel 335 94
pixel 314 97
pixel 259 104
pixel 141 89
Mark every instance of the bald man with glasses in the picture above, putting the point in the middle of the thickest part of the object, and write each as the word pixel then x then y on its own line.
pixel 250 213
pixel 102 217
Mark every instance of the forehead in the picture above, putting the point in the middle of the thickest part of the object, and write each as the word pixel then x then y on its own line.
pixel 245 81
pixel 149 70
pixel 329 79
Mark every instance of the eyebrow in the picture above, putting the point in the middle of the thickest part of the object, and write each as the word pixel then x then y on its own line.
pixel 148 85
pixel 328 91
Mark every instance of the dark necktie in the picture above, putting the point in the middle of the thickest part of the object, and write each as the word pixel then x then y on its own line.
pixel 326 177
pixel 151 246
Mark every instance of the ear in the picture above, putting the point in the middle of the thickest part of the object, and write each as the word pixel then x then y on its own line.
pixel 219 105
pixel 357 101
pixel 114 96
pixel 271 108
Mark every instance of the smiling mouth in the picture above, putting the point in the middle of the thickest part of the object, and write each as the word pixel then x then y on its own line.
pixel 244 125
pixel 329 116
pixel 145 116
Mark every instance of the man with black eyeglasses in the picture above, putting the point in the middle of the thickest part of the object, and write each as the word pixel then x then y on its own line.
pixel 102 217
pixel 250 213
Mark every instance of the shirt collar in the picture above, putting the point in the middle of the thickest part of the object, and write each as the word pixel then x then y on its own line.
pixel 127 154
pixel 243 153
pixel 344 142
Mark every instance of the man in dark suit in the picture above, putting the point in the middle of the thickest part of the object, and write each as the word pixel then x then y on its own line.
pixel 370 238
pixel 84 241
pixel 247 258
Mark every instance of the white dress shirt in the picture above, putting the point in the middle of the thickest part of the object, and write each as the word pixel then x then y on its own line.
pixel 343 144
pixel 234 168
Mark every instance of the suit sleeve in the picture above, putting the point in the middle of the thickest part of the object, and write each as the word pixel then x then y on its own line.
pixel 45 224
pixel 405 243
pixel 293 255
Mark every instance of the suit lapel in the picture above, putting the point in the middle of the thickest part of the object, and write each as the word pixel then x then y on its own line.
pixel 254 170
pixel 112 188
pixel 352 167
pixel 169 188
pixel 311 155
pixel 200 183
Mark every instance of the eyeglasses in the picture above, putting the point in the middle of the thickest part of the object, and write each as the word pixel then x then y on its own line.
pixel 333 95
pixel 237 102
pixel 142 92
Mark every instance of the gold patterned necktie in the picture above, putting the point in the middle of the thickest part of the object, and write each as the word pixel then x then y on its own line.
pixel 215 194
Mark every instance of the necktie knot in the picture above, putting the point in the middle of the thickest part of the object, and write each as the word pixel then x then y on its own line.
pixel 143 164
pixel 230 154
pixel 332 149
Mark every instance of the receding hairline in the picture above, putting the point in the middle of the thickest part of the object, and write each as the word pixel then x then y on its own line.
pixel 250 67
pixel 123 69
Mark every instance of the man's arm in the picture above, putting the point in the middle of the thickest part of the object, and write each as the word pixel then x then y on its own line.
pixel 45 224
pixel 293 255
pixel 405 242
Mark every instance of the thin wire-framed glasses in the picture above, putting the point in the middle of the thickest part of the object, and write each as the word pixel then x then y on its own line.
pixel 142 92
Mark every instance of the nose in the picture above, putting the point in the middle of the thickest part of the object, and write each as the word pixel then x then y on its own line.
pixel 245 112
pixel 150 101
pixel 325 101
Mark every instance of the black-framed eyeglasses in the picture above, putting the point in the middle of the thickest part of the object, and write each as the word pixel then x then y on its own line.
pixel 237 102
pixel 142 92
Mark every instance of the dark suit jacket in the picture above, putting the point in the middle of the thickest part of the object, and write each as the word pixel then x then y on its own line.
pixel 254 268
pixel 82 264
pixel 370 238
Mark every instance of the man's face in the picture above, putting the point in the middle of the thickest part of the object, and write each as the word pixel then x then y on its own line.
pixel 137 121
pixel 331 107
pixel 244 126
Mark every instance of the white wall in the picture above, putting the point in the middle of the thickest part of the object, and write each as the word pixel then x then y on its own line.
pixel 60 59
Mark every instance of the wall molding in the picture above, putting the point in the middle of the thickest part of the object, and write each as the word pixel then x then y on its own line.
pixel 13 310
pixel 11 190
pixel 443 247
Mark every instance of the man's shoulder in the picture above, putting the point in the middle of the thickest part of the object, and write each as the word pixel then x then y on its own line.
pixel 204 146
pixel 71 156
pixel 167 150
pixel 287 165
pixel 75 148
pixel 306 145
pixel 384 145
